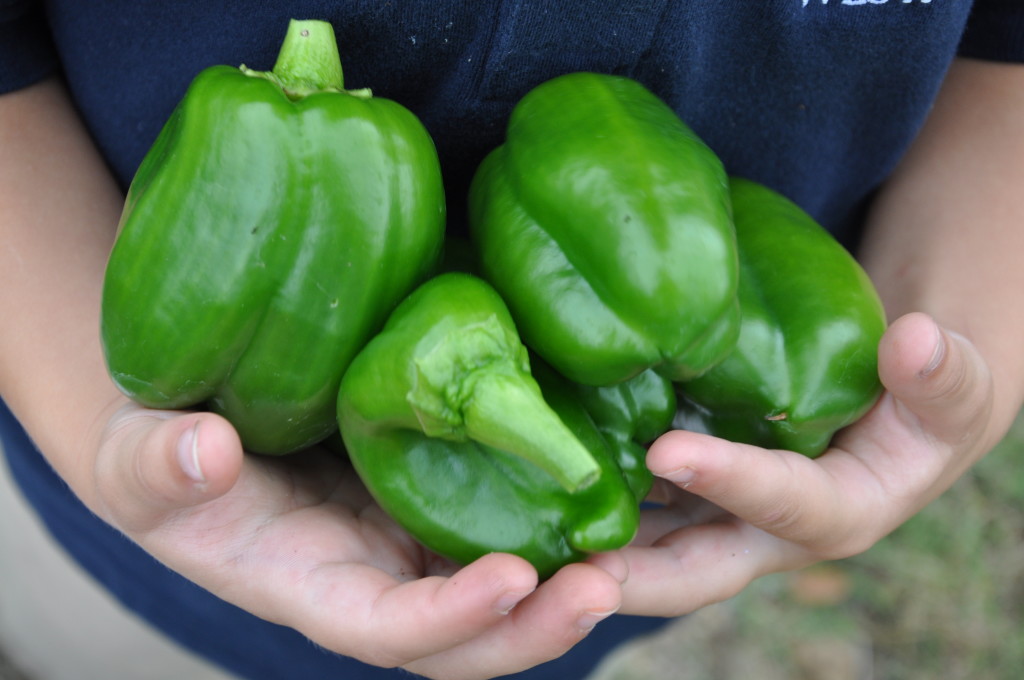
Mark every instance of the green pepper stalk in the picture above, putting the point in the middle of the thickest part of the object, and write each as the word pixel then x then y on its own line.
pixel 604 222
pixel 270 229
pixel 453 436
pixel 307 62
pixel 805 364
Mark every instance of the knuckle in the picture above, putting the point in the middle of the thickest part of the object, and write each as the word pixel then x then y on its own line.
pixel 781 517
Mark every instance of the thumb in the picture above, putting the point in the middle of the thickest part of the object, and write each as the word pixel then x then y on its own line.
pixel 153 463
pixel 940 383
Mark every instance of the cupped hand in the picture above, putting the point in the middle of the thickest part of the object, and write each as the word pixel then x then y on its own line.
pixel 297 540
pixel 734 512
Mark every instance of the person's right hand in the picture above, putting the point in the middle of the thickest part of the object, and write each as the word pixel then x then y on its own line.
pixel 297 540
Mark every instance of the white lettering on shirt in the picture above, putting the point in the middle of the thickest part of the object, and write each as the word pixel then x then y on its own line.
pixel 863 2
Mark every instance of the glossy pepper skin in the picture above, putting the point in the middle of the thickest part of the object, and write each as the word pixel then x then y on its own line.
pixel 805 364
pixel 455 439
pixel 274 223
pixel 604 221
pixel 632 414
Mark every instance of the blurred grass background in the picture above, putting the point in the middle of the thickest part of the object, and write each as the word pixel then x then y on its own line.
pixel 942 598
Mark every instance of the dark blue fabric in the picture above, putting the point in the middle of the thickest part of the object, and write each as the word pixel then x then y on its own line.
pixel 816 98
pixel 995 31
pixel 26 54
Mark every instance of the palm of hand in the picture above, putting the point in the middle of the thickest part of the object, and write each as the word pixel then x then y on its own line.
pixel 299 541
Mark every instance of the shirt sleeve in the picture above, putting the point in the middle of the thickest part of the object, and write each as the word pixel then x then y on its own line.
pixel 27 54
pixel 995 31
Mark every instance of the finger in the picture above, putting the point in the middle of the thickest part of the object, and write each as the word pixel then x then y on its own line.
pixel 779 492
pixel 702 564
pixel 940 381
pixel 835 506
pixel 390 623
pixel 153 463
pixel 932 422
pixel 612 562
pixel 544 626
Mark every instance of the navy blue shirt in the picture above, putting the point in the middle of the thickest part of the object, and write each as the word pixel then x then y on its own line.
pixel 818 99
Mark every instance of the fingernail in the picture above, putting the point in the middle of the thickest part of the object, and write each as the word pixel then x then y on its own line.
pixel 938 354
pixel 507 602
pixel 188 454
pixel 588 620
pixel 683 476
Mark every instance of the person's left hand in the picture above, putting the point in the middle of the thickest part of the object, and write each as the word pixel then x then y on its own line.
pixel 733 513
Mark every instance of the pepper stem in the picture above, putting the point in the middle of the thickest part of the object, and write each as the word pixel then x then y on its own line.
pixel 309 59
pixel 507 412
pixel 308 62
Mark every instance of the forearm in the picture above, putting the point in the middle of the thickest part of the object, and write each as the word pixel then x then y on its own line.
pixel 59 208
pixel 946 235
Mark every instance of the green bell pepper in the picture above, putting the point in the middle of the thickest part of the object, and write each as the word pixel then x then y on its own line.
pixel 632 414
pixel 805 364
pixel 455 439
pixel 268 232
pixel 604 222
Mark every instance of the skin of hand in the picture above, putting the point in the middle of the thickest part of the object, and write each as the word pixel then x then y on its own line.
pixel 943 245
pixel 295 540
